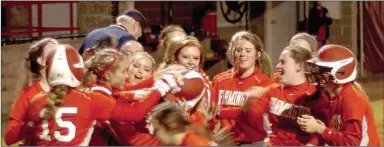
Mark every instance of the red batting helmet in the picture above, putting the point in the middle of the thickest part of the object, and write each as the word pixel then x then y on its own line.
pixel 339 60
pixel 64 66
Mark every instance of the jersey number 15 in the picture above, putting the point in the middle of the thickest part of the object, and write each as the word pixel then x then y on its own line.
pixel 62 124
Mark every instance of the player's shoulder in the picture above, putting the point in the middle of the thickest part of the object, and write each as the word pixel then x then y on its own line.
pixel 261 78
pixel 77 93
pixel 32 89
pixel 39 97
pixel 352 95
pixel 223 76
pixel 98 95
pixel 349 90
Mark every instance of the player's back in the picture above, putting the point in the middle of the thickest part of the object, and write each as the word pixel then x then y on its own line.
pixel 74 121
pixel 72 124
pixel 37 126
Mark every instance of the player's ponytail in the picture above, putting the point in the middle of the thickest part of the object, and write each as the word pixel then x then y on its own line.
pixel 55 99
pixel 360 89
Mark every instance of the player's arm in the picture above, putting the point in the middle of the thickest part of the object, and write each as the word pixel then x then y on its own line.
pixel 127 96
pixel 350 135
pixel 230 112
pixel 142 84
pixel 124 111
pixel 16 117
pixel 135 112
pixel 256 107
pixel 13 131
pixel 322 113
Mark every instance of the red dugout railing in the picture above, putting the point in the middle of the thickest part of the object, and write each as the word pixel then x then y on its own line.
pixel 11 29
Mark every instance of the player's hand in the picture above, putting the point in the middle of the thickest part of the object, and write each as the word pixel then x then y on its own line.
pixel 258 92
pixel 224 137
pixel 175 70
pixel 209 110
pixel 309 124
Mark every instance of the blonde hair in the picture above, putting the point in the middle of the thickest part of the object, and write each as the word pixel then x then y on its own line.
pixel 103 61
pixel 360 89
pixel 311 40
pixel 55 99
pixel 263 63
pixel 177 44
pixel 299 54
pixel 144 54
pixel 164 38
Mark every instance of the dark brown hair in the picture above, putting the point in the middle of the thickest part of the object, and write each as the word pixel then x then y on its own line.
pixel 31 66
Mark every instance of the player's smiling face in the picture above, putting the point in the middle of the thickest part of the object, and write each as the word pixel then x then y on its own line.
pixel 189 57
pixel 245 55
pixel 140 68
pixel 288 68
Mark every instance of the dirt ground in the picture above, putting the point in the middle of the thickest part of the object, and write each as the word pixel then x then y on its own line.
pixel 373 86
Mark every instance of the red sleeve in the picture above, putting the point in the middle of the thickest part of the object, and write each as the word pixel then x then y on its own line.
pixel 101 106
pixel 143 84
pixel 350 135
pixel 19 107
pixel 230 112
pixel 126 96
pixel 256 107
pixel 353 107
pixel 136 111
pixel 13 132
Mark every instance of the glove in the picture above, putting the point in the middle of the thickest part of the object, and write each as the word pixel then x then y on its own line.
pixel 165 84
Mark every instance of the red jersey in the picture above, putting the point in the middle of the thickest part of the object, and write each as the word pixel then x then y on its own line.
pixel 134 133
pixel 73 124
pixel 193 139
pixel 75 119
pixel 284 105
pixel 229 93
pixel 127 133
pixel 352 120
pixel 17 116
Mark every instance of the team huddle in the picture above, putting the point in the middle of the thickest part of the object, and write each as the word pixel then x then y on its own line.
pixel 112 92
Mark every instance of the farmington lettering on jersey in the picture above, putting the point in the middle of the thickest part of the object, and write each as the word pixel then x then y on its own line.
pixel 287 110
pixel 234 98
